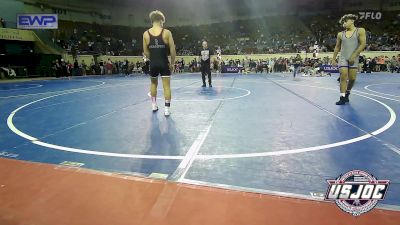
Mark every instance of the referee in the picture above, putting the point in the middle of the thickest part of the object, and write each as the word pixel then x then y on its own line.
pixel 205 61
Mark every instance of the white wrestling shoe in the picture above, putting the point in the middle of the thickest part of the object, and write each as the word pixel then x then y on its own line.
pixel 167 111
pixel 154 107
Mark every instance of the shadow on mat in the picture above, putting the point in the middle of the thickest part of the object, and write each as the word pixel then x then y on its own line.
pixel 163 139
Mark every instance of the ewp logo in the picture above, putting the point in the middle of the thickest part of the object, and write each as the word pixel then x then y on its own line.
pixel 37 21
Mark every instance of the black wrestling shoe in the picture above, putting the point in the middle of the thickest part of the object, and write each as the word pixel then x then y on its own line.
pixel 346 97
pixel 204 85
pixel 342 101
pixel 210 85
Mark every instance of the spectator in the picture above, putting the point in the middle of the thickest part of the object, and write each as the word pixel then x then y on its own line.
pixel 93 67
pixel 234 37
pixel 368 66
pixel 109 67
pixel 101 64
pixel 64 68
pixel 182 65
pixel 394 64
pixel 8 71
pixel 69 69
pixel 125 67
pixel 76 69
pixel 58 68
pixel 83 68
pixel 2 23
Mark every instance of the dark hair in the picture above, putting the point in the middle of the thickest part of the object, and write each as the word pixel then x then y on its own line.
pixel 157 16
pixel 348 17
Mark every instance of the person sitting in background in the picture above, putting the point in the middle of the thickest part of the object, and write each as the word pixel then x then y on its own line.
pixel 10 73
pixel 146 66
pixel 69 69
pixel 253 65
pixel 93 67
pixel 138 65
pixel 109 67
pixel 192 66
pixel 361 63
pixel 75 70
pixel 53 68
pixel 182 69
pixel 271 65
pixel 387 61
pixel 393 64
pixel 116 67
pixel 380 64
pixel 296 64
pixel 398 63
pixel 368 66
pixel 58 68
pixel 2 23
pixel 374 62
pixel 215 65
pixel 101 64
pixel 177 66
pixel 64 68
pixel 83 68
pixel 259 66
pixel 125 67
pixel 137 68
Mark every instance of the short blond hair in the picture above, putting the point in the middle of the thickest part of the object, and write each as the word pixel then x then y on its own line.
pixel 156 16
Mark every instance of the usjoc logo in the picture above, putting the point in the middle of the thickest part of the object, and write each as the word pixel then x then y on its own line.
pixel 37 21
pixel 356 192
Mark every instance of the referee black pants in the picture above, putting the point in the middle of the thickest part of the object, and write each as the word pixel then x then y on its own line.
pixel 205 70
